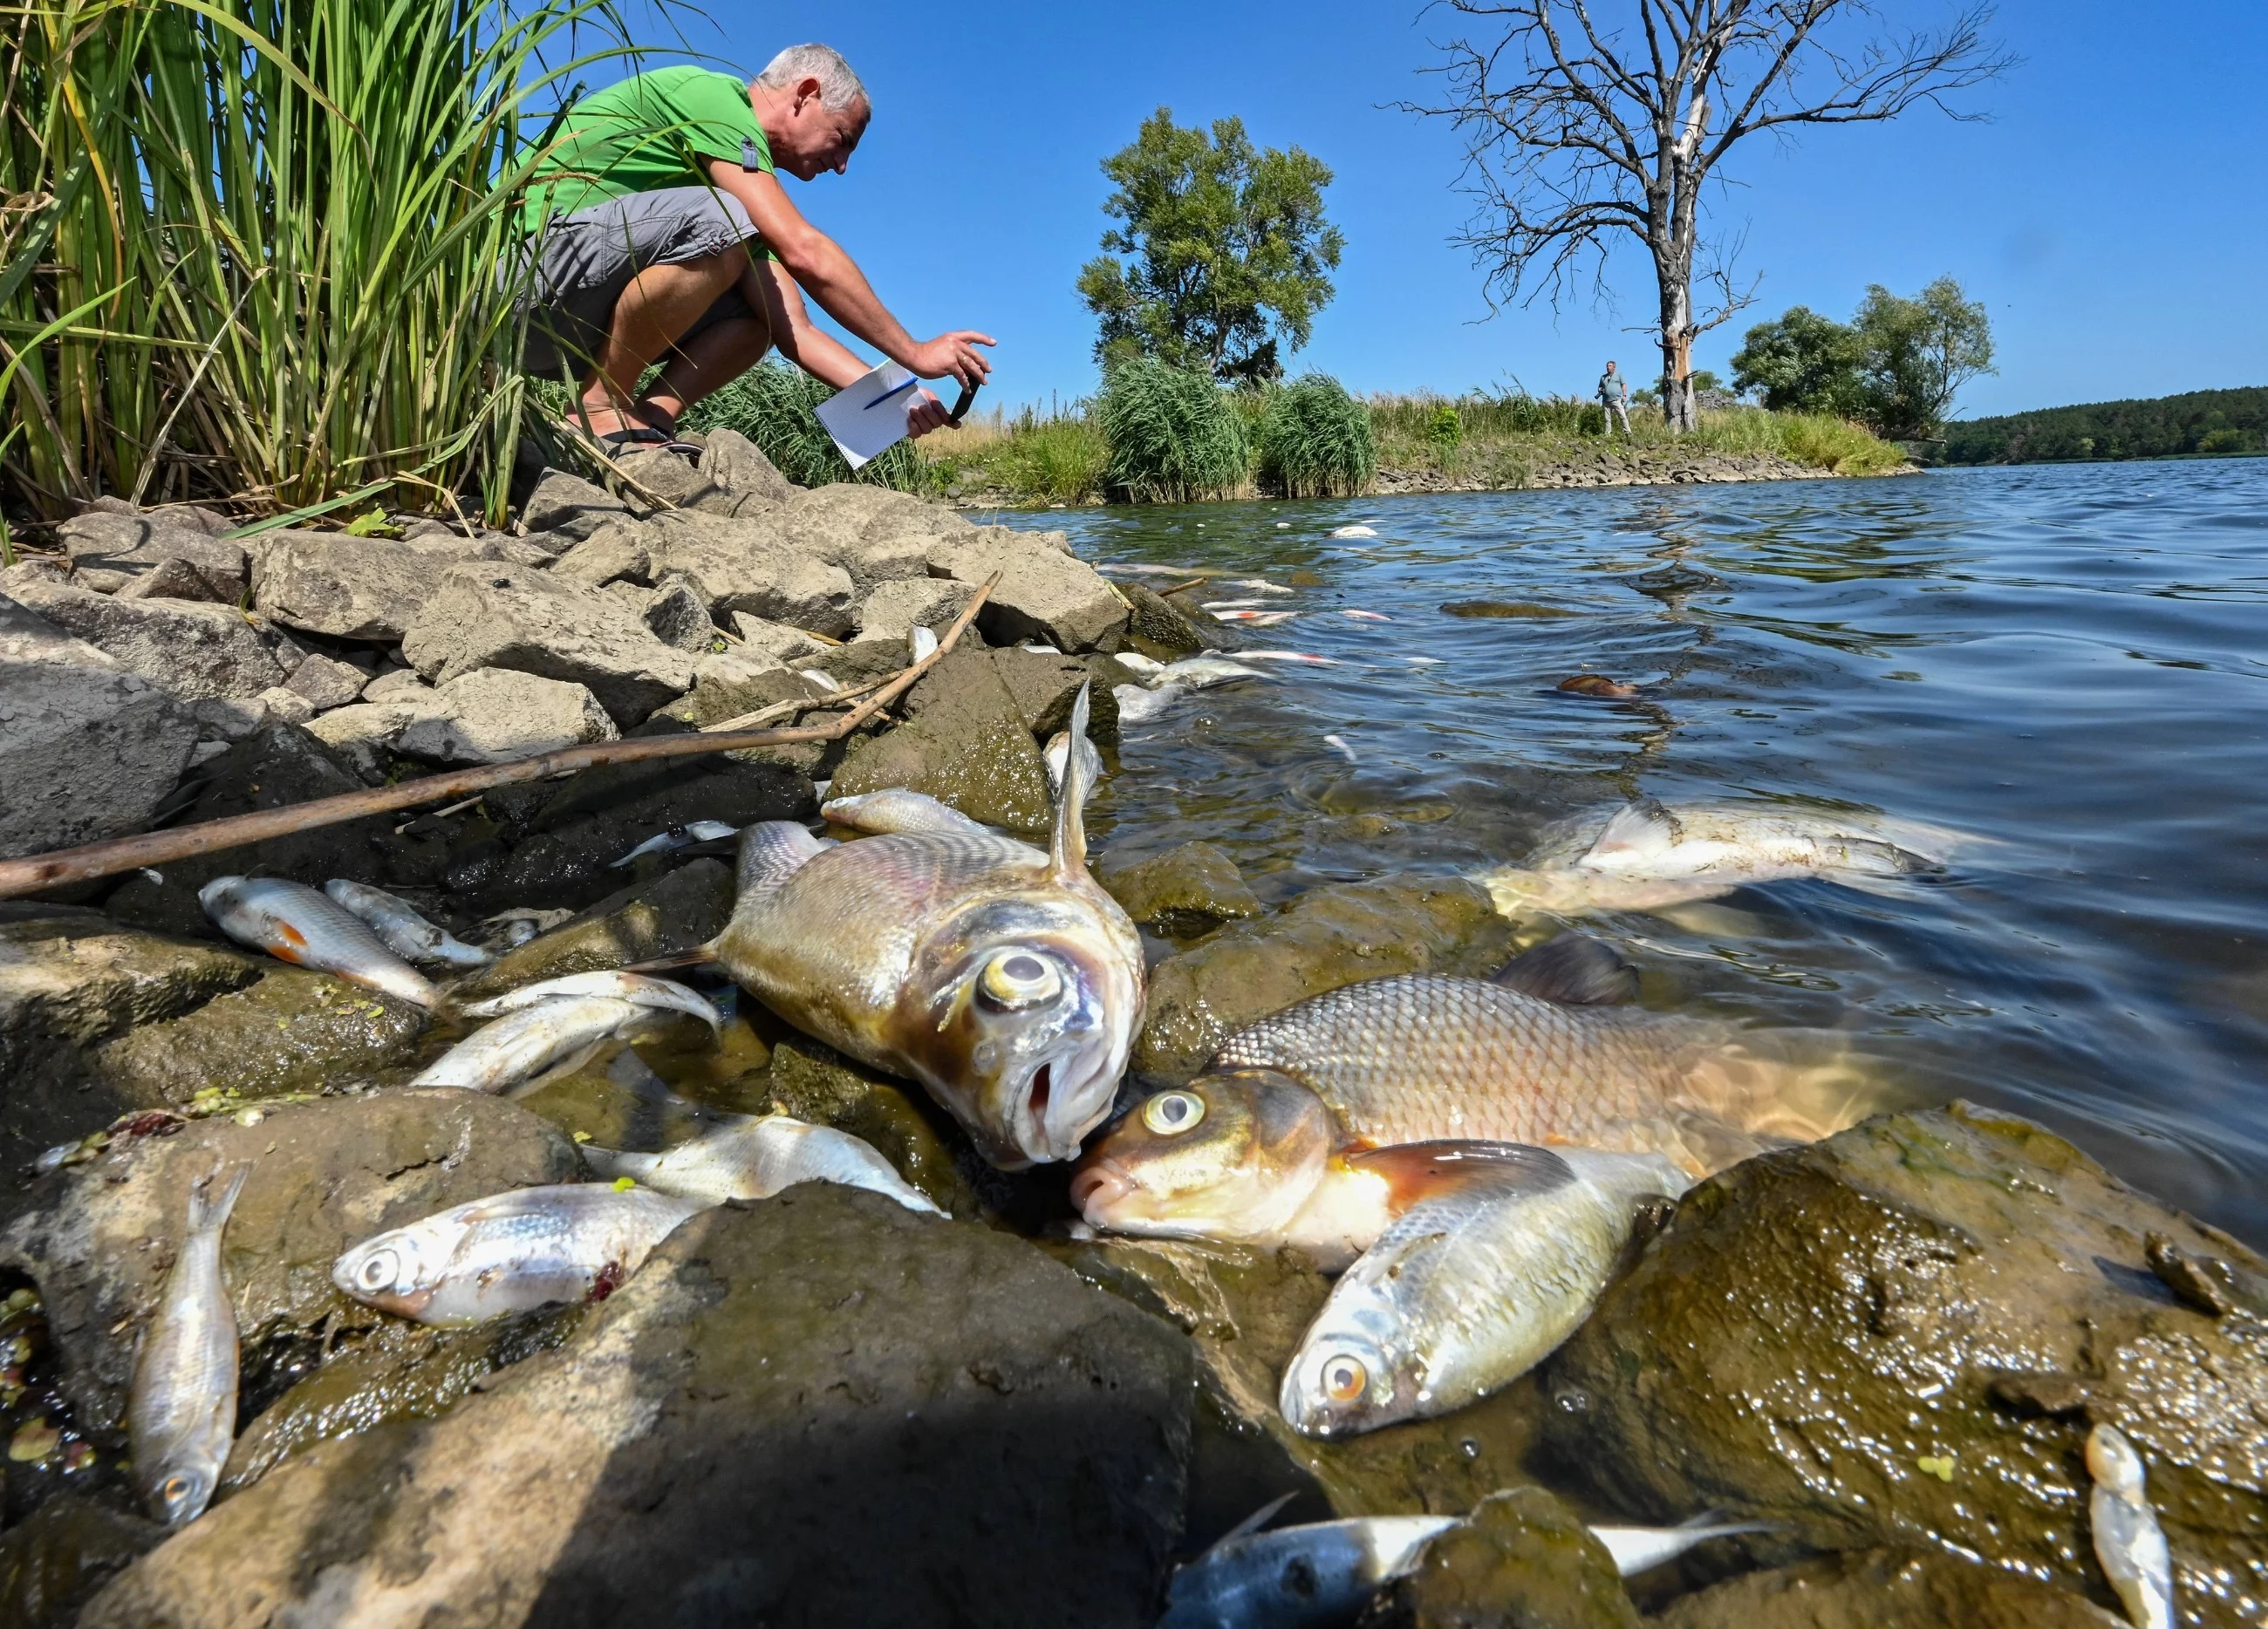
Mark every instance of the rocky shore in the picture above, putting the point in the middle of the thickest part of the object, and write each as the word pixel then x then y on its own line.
pixel 824 1408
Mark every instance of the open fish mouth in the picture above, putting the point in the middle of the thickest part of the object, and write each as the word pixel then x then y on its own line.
pixel 1065 1096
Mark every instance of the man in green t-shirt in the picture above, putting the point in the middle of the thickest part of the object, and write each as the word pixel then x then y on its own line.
pixel 664 236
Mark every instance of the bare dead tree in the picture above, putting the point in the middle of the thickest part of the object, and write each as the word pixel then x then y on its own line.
pixel 1586 119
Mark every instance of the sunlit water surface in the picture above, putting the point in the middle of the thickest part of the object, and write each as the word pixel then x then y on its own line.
pixel 2068 662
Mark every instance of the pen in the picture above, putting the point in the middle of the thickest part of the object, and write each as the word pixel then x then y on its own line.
pixel 893 391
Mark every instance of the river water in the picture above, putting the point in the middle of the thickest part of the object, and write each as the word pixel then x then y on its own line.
pixel 2069 662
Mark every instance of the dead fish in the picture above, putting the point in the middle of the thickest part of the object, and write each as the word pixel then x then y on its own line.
pixel 824 680
pixel 1258 619
pixel 180 1418
pixel 308 928
pixel 898 809
pixel 638 989
pixel 1147 666
pixel 1287 655
pixel 1470 1288
pixel 2128 1541
pixel 405 932
pixel 510 929
pixel 1000 977
pixel 512 1252
pixel 1641 1549
pixel 1351 531
pixel 1218 606
pixel 1596 685
pixel 676 837
pixel 752 1158
pixel 533 1044
pixel 1645 856
pixel 921 642
pixel 1057 755
pixel 1202 673
pixel 1338 744
pixel 1367 616
pixel 1258 585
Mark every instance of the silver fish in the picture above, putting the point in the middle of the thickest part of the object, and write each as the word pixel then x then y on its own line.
pixel 534 1043
pixel 1147 666
pixel 512 1252
pixel 1057 755
pixel 1469 1289
pixel 2128 1541
pixel 751 1158
pixel 308 928
pixel 638 989
pixel 180 1418
pixel 676 837
pixel 1351 531
pixel 1367 616
pixel 1305 657
pixel 1000 977
pixel 1638 1549
pixel 1258 619
pixel 406 933
pixel 899 809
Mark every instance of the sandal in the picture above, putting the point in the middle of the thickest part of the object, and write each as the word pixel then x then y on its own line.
pixel 642 438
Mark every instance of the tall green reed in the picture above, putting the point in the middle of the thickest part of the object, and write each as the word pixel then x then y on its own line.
pixel 1175 437
pixel 1314 440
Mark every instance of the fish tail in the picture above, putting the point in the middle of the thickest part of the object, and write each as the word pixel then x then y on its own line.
pixel 699 956
pixel 208 1214
pixel 1067 857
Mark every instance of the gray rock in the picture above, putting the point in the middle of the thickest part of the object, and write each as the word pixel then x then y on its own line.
pixel 676 479
pixel 127 547
pixel 193 647
pixel 225 719
pixel 326 684
pixel 738 464
pixel 893 610
pixel 747 565
pixel 736 665
pixel 875 534
pixel 964 742
pixel 569 506
pixel 1160 628
pixel 175 577
pixel 682 908
pixel 493 714
pixel 484 615
pixel 35 572
pixel 762 637
pixel 1043 593
pixel 368 730
pixel 678 615
pixel 1045 687
pixel 288 705
pixel 723 1439
pixel 88 749
pixel 288 651
pixel 345 587
pixel 393 682
pixel 614 552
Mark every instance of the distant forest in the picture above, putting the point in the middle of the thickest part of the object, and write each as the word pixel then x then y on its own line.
pixel 2200 421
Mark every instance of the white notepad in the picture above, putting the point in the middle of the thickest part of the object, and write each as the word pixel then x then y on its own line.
pixel 868 417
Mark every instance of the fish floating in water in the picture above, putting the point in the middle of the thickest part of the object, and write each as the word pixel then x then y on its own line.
pixel 752 1158
pixel 675 838
pixel 544 1031
pixel 1351 531
pixel 406 933
pixel 308 928
pixel 180 1416
pixel 1138 704
pixel 1258 619
pixel 999 976
pixel 1287 655
pixel 1367 616
pixel 1647 855
pixel 1471 1287
pixel 512 1252
pixel 2128 1541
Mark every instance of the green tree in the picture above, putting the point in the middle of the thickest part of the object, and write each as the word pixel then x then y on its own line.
pixel 1225 251
pixel 1801 362
pixel 1917 353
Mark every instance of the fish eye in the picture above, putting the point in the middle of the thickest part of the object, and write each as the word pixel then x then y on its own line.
pixel 377 1271
pixel 1170 1114
pixel 1019 979
pixel 1345 1378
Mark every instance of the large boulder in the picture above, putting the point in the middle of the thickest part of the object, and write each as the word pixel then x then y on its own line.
pixel 193 647
pixel 1900 1337
pixel 875 534
pixel 99 1237
pixel 724 1440
pixel 1162 628
pixel 964 742
pixel 745 565
pixel 1885 1590
pixel 482 615
pixel 88 749
pixel 116 554
pixel 1186 891
pixel 568 506
pixel 493 714
pixel 1046 685
pixel 1327 937
pixel 1044 594
pixel 1523 1559
pixel 346 587
pixel 893 610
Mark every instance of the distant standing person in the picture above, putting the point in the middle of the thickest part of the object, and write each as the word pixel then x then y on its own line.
pixel 665 237
pixel 1614 396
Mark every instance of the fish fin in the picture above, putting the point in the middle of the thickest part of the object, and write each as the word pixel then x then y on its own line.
pixel 210 1214
pixel 1416 1171
pixel 900 809
pixel 1640 827
pixel 699 956
pixel 1254 1523
pixel 1573 970
pixel 1067 855
pixel 772 851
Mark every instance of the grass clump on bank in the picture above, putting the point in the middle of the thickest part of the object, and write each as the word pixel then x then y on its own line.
pixel 774 405
pixel 1173 436
pixel 1314 441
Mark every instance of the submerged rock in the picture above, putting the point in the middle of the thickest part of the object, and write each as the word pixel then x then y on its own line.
pixel 99 1238
pixel 52 1561
pixel 1900 1337
pixel 1521 1561
pixel 1187 890
pixel 964 742
pixel 1885 1590
pixel 1325 938
pixel 819 1409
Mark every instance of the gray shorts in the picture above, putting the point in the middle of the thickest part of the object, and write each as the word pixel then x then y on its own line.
pixel 585 261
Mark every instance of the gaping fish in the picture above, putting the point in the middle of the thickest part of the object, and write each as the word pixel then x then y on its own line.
pixel 752 1158
pixel 180 1417
pixel 308 928
pixel 2128 1541
pixel 1645 856
pixel 539 1042
pixel 1470 1288
pixel 512 1253
pixel 1003 979
pixel 406 933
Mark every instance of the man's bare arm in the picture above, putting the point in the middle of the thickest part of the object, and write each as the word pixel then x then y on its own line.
pixel 768 289
pixel 818 263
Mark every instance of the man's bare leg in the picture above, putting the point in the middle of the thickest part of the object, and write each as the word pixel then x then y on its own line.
pixel 709 361
pixel 659 305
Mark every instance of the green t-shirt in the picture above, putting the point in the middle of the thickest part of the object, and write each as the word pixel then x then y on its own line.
pixel 653 130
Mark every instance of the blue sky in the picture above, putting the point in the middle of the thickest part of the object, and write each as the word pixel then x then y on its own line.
pixel 2113 215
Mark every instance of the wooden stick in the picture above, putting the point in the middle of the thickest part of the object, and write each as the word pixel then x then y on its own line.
pixel 37 872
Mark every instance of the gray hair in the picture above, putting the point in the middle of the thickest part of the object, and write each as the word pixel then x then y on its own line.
pixel 838 86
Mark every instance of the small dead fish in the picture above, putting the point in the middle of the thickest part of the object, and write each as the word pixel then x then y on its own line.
pixel 2128 1541
pixel 1470 1288
pixel 1596 685
pixel 1147 666
pixel 1218 606
pixel 825 682
pixel 1338 743
pixel 1258 619
pixel 921 642
pixel 1287 655
pixel 1641 1549
pixel 677 837
pixel 512 928
pixel 1423 661
pixel 1258 585
pixel 898 809
pixel 180 1418
pixel 308 928
pixel 1058 758
pixel 638 989
pixel 755 1158
pixel 406 933
pixel 512 1252
pixel 1367 616
pixel 537 1043
pixel 1351 531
